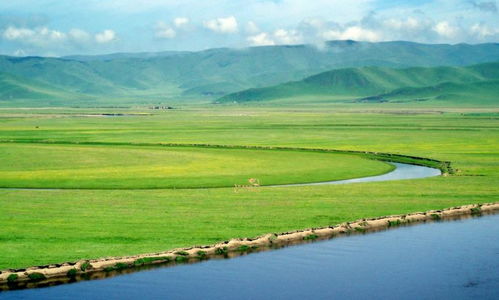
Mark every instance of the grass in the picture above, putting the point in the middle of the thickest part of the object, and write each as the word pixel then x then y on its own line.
pixel 53 226
pixel 129 167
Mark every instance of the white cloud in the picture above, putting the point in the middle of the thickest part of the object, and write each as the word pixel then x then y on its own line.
pixel 483 31
pixel 163 30
pixel 39 36
pixel 261 39
pixel 288 37
pixel 180 22
pixel 222 25
pixel 356 33
pixel 105 36
pixel 445 29
pixel 79 35
pixel 252 28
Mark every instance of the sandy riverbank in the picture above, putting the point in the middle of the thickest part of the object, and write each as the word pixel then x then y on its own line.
pixel 99 268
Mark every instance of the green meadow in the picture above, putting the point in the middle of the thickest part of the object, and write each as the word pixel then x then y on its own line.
pixel 119 199
pixel 150 167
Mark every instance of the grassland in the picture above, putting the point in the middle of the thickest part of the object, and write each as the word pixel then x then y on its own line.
pixel 150 167
pixel 40 227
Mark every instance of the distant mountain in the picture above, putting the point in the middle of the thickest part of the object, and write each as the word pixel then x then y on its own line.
pixel 217 72
pixel 382 84
pixel 13 87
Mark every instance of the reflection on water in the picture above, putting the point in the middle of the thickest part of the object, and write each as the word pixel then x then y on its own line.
pixel 447 260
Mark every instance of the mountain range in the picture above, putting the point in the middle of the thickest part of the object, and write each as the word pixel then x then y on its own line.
pixel 214 73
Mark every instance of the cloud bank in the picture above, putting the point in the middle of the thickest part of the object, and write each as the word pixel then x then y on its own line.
pixel 94 26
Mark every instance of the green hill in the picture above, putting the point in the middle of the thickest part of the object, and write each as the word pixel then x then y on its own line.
pixel 382 84
pixel 23 89
pixel 209 74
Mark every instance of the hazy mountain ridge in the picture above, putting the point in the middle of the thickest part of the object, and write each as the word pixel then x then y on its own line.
pixel 216 72
pixel 383 84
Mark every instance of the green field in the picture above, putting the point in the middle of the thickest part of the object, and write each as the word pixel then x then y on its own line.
pixel 151 167
pixel 49 226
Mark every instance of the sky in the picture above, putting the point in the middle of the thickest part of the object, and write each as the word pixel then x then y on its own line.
pixel 89 27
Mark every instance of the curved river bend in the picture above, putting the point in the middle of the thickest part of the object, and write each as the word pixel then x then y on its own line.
pixel 401 171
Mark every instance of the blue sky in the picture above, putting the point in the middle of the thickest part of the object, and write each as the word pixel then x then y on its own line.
pixel 57 27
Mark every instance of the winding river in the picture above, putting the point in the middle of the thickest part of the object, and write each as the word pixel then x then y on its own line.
pixel 401 171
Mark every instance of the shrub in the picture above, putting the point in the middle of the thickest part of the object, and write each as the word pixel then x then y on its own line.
pixel 35 276
pixel 243 248
pixel 148 260
pixel 183 253
pixel 181 259
pixel 120 266
pixel 12 277
pixel 84 266
pixel 71 273
pixel 476 210
pixel 360 229
pixel 221 251
pixel 201 255
pixel 394 223
pixel 435 217
pixel 310 237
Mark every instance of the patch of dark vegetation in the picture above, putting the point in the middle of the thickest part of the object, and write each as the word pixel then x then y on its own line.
pixel 394 223
pixel 310 237
pixel 108 269
pixel 148 260
pixel 12 278
pixel 121 266
pixel 35 276
pixel 181 259
pixel 72 273
pixel 221 251
pixel 372 99
pixel 244 248
pixel 183 253
pixel 201 255
pixel 86 265
pixel 360 229
pixel 476 210
pixel 435 217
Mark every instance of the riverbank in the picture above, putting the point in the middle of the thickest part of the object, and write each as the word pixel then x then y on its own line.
pixel 54 274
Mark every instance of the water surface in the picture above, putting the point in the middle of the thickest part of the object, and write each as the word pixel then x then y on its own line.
pixel 444 260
